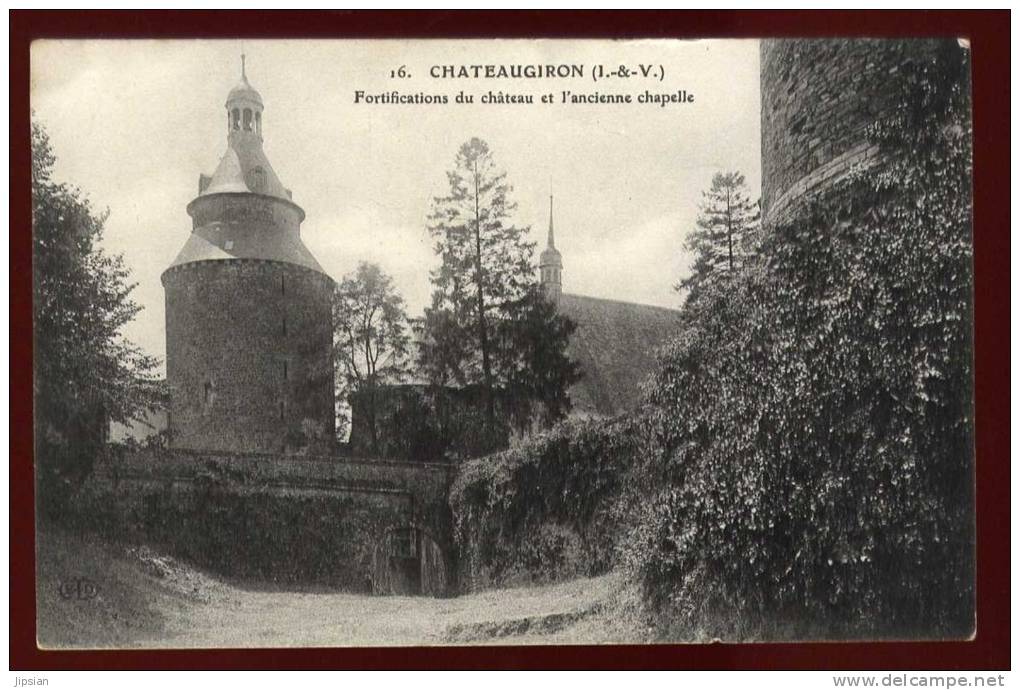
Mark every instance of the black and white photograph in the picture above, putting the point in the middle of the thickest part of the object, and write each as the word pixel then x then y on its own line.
pixel 446 342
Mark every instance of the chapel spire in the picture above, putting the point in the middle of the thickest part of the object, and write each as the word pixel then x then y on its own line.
pixel 552 239
pixel 550 263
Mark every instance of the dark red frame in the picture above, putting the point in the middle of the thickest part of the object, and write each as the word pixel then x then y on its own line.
pixel 988 32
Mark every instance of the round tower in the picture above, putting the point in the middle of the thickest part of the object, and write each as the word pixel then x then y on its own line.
pixel 248 309
pixel 550 263
pixel 818 97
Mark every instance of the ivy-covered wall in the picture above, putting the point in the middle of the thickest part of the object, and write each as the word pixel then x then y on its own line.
pixel 549 508
pixel 816 472
pixel 269 518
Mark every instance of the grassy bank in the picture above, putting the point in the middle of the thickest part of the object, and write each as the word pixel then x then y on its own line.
pixel 93 593
pixel 145 599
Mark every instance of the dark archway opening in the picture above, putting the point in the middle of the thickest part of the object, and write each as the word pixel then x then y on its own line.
pixel 408 561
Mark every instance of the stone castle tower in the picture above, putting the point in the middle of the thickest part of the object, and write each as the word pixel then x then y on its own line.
pixel 550 263
pixel 818 97
pixel 248 309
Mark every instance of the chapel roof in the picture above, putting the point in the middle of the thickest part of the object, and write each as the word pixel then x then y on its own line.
pixel 615 344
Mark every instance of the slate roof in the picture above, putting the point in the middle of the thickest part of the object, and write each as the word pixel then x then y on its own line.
pixel 615 343
pixel 234 173
pixel 217 241
pixel 244 170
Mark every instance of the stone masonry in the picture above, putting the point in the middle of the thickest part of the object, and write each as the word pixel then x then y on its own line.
pixel 818 98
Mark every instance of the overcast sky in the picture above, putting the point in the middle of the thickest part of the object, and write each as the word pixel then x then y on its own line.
pixel 133 123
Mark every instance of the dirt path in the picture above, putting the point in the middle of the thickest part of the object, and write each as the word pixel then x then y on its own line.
pixel 141 598
pixel 234 617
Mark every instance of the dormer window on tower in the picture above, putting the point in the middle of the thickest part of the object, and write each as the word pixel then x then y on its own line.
pixel 256 179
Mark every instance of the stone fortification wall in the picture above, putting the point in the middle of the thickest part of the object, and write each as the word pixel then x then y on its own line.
pixel 283 519
pixel 249 365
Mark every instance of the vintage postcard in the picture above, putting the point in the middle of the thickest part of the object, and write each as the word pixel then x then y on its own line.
pixel 455 342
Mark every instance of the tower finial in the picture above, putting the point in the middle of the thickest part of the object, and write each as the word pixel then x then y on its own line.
pixel 243 74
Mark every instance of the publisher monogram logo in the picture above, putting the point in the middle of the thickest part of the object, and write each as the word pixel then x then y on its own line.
pixel 79 588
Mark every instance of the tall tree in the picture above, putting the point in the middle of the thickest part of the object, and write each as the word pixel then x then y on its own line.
pixel 486 259
pixel 371 338
pixel 724 228
pixel 86 374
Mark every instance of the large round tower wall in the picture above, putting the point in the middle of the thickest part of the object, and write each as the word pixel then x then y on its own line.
pixel 249 356
pixel 818 98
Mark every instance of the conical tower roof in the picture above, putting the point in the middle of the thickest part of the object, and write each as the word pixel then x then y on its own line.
pixel 242 210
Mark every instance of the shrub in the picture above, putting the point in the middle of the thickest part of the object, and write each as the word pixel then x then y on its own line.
pixel 547 508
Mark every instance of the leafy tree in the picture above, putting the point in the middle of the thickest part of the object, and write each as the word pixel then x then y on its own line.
pixel 531 358
pixel 85 373
pixel 371 339
pixel 485 303
pixel 725 228
pixel 816 413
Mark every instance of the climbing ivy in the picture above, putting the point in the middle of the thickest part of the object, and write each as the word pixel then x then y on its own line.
pixel 547 508
pixel 815 417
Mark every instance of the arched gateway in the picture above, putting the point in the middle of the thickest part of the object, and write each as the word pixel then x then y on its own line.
pixel 409 561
